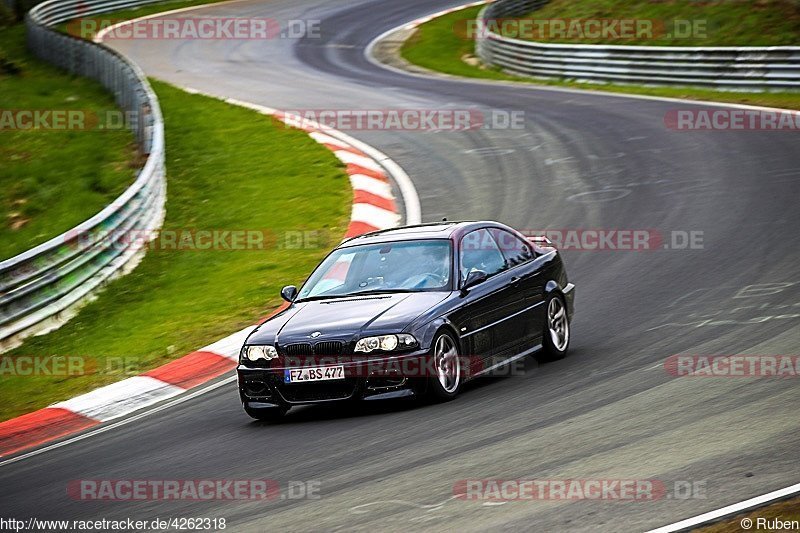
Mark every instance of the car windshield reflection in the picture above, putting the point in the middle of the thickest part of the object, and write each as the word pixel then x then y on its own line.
pixel 398 267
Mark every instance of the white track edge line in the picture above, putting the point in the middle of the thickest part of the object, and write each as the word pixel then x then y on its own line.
pixel 728 510
pixel 103 429
pixel 98 38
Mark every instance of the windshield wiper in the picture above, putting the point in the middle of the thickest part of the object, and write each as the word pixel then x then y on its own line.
pixel 351 294
pixel 381 291
pixel 321 297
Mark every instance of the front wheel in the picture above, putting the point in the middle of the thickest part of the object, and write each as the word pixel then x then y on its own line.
pixel 266 414
pixel 447 366
pixel 555 338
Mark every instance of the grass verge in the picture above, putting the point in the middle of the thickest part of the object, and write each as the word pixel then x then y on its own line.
pixel 677 22
pixel 229 169
pixel 787 510
pixel 437 46
pixel 53 179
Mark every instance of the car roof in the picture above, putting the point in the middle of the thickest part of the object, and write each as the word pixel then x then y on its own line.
pixel 436 230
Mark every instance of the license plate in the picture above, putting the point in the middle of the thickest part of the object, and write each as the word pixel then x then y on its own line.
pixel 317 373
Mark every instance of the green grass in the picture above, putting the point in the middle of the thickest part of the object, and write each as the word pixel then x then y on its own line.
pixel 438 47
pixel 228 169
pixel 741 23
pixel 51 180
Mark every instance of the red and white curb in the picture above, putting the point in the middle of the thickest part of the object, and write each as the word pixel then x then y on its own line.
pixel 373 202
pixel 373 208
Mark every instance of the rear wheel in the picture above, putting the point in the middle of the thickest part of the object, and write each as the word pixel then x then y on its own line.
pixel 447 365
pixel 555 338
pixel 266 414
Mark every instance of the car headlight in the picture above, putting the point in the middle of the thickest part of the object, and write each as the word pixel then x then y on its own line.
pixel 386 343
pixel 256 353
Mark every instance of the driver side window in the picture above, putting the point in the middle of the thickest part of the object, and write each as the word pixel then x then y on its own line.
pixel 479 251
pixel 515 250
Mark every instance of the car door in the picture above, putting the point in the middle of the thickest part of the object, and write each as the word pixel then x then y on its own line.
pixel 490 322
pixel 529 273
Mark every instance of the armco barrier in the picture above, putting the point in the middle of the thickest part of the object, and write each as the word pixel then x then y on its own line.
pixel 42 287
pixel 727 68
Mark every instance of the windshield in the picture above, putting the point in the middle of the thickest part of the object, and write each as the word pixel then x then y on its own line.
pixel 406 266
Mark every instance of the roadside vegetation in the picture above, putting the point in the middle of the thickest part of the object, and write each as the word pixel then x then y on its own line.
pixel 53 179
pixel 228 169
pixel 765 23
pixel 440 45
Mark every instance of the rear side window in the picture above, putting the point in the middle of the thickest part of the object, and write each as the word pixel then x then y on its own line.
pixel 479 251
pixel 515 250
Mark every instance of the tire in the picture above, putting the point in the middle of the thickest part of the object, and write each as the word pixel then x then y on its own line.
pixel 556 334
pixel 270 414
pixel 447 363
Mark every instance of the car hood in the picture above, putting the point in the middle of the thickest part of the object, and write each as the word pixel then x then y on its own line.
pixel 346 317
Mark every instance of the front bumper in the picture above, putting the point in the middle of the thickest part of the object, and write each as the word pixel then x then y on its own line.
pixel 366 378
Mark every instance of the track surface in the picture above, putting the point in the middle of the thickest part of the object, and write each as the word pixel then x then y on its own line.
pixel 607 411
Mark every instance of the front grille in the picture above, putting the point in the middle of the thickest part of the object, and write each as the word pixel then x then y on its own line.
pixel 310 391
pixel 321 348
pixel 328 348
pixel 298 350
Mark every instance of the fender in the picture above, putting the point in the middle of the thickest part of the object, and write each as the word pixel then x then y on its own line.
pixel 425 332
pixel 568 292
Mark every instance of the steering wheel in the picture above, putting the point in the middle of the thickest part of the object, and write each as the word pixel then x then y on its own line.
pixel 419 281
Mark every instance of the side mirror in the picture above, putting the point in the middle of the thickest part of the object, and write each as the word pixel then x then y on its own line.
pixel 289 293
pixel 475 277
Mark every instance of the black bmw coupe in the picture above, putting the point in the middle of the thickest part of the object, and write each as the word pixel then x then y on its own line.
pixel 409 311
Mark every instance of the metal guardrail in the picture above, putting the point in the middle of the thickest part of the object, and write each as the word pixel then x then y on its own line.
pixel 43 287
pixel 726 68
